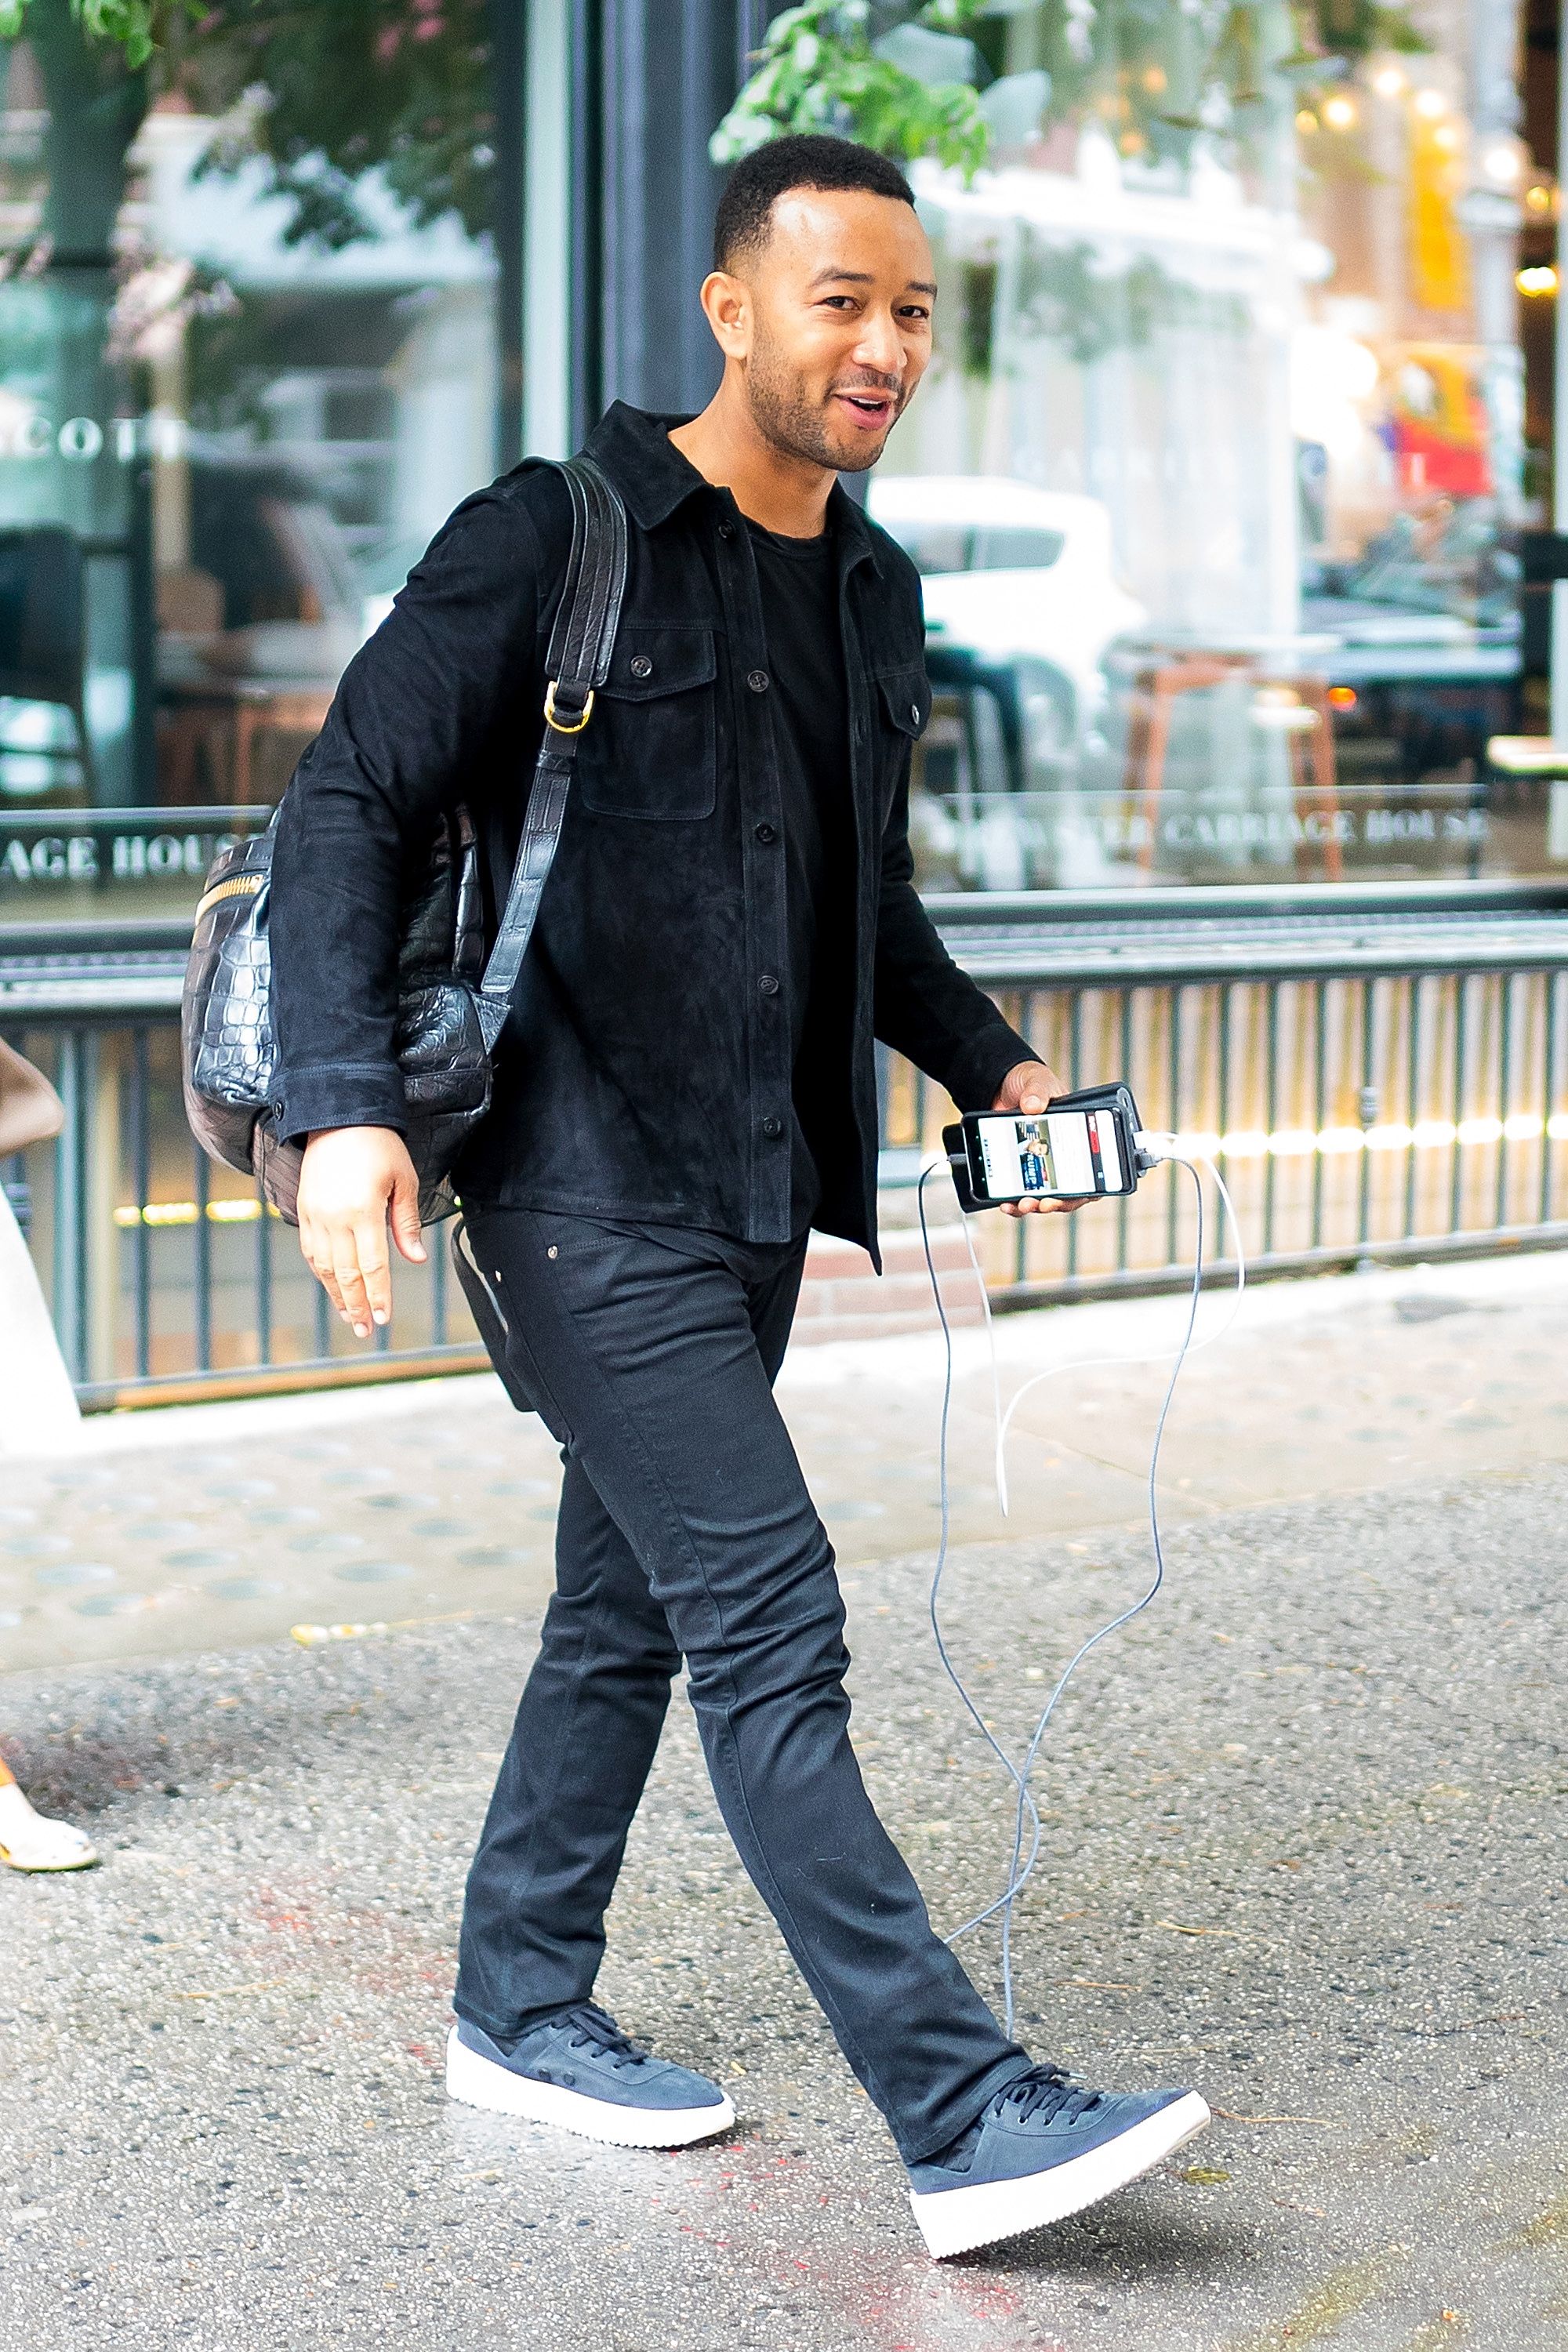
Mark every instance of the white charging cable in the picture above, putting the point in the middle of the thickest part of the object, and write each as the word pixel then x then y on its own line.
pixel 1153 1146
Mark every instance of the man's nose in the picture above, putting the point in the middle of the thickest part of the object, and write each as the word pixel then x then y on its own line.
pixel 879 344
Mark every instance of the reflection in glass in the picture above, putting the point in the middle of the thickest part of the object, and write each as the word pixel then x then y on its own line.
pixel 246 368
pixel 1247 344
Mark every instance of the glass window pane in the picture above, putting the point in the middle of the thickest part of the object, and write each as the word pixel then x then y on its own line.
pixel 247 366
pixel 1218 478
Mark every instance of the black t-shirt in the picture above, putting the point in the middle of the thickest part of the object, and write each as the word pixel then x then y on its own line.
pixel 799 583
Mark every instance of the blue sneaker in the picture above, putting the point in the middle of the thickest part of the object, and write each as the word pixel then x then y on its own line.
pixel 1042 2149
pixel 580 2071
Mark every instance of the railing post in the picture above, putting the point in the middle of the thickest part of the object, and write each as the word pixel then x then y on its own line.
pixel 70 1223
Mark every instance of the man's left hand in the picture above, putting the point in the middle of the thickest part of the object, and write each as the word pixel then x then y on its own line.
pixel 1031 1088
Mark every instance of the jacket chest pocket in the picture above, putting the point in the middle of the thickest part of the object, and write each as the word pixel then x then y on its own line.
pixel 649 750
pixel 901 710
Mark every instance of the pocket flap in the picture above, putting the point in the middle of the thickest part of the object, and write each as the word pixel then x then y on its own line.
pixel 652 658
pixel 906 698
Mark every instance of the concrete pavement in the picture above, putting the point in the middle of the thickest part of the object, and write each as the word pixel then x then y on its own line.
pixel 216 1526
pixel 1306 1852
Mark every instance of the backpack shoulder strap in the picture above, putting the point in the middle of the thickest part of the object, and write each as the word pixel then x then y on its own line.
pixel 578 662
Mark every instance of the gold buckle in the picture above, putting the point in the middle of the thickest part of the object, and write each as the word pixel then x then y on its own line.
pixel 552 721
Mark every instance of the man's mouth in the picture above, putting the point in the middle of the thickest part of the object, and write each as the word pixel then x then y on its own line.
pixel 866 411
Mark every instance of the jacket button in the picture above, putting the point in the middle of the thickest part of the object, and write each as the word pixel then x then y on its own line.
pixel 769 983
pixel 757 679
pixel 726 530
pixel 641 666
pixel 773 1128
pixel 766 833
pixel 914 709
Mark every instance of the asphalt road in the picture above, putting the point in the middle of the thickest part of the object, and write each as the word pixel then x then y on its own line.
pixel 1305 1852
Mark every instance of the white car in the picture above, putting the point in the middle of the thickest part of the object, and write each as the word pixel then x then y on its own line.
pixel 1013 574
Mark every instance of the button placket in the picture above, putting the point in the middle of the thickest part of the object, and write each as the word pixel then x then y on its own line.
pixel 765 881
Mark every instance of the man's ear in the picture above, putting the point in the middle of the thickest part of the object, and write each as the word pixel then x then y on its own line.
pixel 728 304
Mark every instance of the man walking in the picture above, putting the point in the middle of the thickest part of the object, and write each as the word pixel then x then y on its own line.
pixel 685 1088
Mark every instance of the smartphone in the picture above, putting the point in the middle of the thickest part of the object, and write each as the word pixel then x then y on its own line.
pixel 1081 1148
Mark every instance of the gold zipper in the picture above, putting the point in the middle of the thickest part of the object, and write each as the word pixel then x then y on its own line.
pixel 238 885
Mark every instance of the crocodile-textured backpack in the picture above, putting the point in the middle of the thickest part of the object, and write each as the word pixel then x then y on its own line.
pixel 453 1000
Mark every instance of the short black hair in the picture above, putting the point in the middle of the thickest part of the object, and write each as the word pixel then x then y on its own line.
pixel 806 159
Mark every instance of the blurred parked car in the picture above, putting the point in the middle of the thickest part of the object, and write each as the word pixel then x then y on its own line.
pixel 1015 577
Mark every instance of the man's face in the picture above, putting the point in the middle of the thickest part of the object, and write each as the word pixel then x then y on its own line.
pixel 835 329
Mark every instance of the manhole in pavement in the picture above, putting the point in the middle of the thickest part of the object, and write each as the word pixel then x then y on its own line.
pixel 1421 1310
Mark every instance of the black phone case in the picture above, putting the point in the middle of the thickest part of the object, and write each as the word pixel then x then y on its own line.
pixel 1118 1099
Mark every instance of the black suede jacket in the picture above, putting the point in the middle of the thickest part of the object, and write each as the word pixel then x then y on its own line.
pixel 645 1072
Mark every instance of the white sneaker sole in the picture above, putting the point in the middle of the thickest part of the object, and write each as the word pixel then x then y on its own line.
pixel 955 2221
pixel 479 2082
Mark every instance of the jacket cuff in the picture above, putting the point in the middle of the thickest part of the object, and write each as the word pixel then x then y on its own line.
pixel 338 1094
pixel 975 1079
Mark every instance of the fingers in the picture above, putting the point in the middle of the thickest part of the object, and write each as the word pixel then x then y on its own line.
pixel 406 1227
pixel 317 1253
pixel 350 1281
pixel 375 1268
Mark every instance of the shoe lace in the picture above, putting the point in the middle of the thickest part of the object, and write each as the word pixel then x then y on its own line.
pixel 592 2028
pixel 1048 2091
pixel 1044 2089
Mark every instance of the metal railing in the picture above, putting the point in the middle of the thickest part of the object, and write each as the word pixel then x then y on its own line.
pixel 1386 1086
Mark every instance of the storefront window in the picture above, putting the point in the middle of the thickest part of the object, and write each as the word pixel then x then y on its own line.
pixel 1218 479
pixel 247 364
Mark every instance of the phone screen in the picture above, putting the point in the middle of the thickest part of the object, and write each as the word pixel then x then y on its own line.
pixel 1066 1155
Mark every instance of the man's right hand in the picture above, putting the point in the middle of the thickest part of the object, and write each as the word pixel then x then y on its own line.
pixel 355 1182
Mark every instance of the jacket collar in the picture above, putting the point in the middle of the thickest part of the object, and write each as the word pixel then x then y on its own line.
pixel 634 447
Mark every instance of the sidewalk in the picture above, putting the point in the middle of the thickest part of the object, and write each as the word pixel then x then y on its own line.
pixel 1305 1852
pixel 213 1525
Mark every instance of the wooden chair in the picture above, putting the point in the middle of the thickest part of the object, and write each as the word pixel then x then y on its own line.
pixel 1155 690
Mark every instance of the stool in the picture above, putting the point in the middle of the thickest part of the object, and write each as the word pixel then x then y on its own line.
pixel 1153 694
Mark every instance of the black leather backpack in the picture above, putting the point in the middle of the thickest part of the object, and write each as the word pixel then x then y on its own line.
pixel 452 1000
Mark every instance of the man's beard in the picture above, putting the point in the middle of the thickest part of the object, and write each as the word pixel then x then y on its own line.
pixel 796 423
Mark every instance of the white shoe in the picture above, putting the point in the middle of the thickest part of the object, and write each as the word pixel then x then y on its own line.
pixel 1044 2146
pixel 30 1841
pixel 580 2071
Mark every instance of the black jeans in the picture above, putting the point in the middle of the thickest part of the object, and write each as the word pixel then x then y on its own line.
pixel 686 1530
